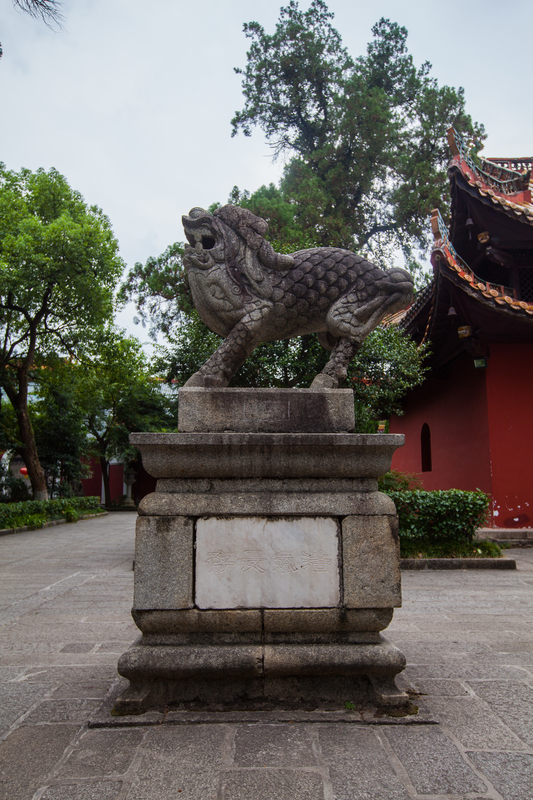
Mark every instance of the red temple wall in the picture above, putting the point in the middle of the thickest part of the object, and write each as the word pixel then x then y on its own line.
pixel 510 400
pixel 455 409
pixel 92 487
pixel 481 431
pixel 143 485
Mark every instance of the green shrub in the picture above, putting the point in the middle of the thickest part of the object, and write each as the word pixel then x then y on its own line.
pixel 440 517
pixel 412 548
pixel 70 514
pixel 28 520
pixel 396 481
pixel 59 508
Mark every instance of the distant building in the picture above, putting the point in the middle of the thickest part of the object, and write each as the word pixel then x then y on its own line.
pixel 470 424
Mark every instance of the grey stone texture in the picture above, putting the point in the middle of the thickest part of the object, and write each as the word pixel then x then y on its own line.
pixel 266 455
pixel 511 774
pixel 265 410
pixel 472 622
pixel 163 563
pixel 102 754
pixel 294 503
pixel 95 790
pixel 249 294
pixel 370 555
pixel 433 764
pixel 274 488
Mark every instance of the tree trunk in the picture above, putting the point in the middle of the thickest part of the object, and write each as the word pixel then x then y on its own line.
pixel 29 454
pixel 105 477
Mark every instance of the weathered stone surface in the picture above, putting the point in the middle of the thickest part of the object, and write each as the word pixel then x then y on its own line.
pixel 337 504
pixel 237 486
pixel 101 753
pixel 187 663
pixel 266 455
pixel 195 621
pixel 28 755
pixel 249 294
pixel 432 762
pixel 340 659
pixel 282 784
pixel 279 673
pixel 510 773
pixel 272 746
pixel 265 410
pixel 163 563
pixel 331 620
pixel 260 562
pixel 357 767
pixel 95 790
pixel 371 571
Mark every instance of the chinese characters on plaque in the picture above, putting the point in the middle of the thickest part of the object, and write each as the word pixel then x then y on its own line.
pixel 281 561
pixel 253 562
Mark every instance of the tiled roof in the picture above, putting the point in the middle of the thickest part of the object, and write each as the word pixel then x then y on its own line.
pixel 495 295
pixel 506 188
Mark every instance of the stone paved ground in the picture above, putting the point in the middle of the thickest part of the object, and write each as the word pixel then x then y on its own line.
pixel 65 596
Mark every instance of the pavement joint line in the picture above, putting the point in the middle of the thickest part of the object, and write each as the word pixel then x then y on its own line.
pixel 460 595
pixel 17 723
pixel 49 780
pixel 397 766
pixel 327 785
pixel 463 751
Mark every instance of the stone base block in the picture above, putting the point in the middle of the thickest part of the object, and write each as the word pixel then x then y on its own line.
pixel 265 410
pixel 252 676
pixel 262 624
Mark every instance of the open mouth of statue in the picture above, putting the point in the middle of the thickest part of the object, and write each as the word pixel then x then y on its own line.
pixel 201 237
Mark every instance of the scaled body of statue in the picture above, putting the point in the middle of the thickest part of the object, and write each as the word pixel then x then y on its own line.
pixel 248 293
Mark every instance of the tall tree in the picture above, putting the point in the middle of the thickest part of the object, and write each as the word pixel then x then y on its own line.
pixel 59 265
pixel 116 395
pixel 365 136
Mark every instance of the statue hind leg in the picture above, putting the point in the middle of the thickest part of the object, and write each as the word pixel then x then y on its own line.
pixel 351 324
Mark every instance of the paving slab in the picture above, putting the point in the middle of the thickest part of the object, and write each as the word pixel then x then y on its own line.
pixel 66 594
pixel 432 762
pixel 511 774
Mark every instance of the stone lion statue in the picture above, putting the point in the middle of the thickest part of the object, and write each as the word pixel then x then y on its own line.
pixel 248 293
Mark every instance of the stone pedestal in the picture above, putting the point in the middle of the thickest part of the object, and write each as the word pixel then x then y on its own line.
pixel 266 561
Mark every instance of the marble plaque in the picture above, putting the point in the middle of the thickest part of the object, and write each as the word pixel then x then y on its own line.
pixel 260 562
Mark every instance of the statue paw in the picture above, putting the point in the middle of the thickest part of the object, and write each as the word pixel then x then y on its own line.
pixel 202 380
pixel 197 381
pixel 323 381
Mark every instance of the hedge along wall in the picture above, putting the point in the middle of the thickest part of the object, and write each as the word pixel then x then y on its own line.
pixel 443 516
pixel 49 508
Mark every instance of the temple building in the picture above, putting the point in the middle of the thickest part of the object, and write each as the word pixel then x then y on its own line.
pixel 470 424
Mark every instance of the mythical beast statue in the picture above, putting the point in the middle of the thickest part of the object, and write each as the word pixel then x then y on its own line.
pixel 248 293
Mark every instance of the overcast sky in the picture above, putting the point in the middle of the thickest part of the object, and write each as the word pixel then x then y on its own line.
pixel 132 100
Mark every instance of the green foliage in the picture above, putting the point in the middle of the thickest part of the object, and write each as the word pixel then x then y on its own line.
pixel 449 516
pixel 387 365
pixel 39 511
pixel 160 290
pixel 412 548
pixel 60 430
pixel 59 264
pixel 366 137
pixel 284 232
pixel 396 481
pixel 283 363
pixel 116 394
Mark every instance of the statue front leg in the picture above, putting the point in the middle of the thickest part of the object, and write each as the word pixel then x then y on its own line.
pixel 220 368
pixel 336 369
